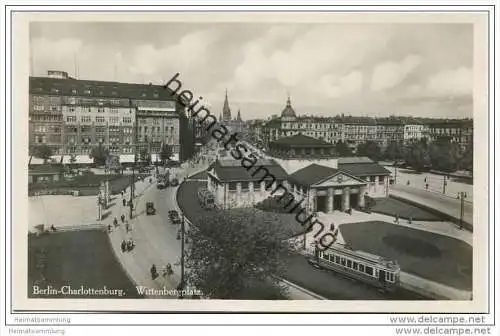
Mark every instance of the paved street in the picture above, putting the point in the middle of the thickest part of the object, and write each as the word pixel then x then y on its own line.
pixel 447 205
pixel 435 181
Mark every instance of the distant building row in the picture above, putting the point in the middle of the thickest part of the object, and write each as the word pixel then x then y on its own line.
pixel 354 131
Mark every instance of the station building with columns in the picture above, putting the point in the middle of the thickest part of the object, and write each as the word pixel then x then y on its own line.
pixel 324 182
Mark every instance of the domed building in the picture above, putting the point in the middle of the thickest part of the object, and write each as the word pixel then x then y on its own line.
pixel 288 113
pixel 289 124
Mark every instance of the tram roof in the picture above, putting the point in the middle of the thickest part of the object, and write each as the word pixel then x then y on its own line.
pixel 392 264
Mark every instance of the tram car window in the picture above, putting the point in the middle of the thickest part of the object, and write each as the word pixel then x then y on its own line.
pixel 363 266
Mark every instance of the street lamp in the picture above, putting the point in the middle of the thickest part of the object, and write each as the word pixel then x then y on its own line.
pixel 463 196
pixel 181 284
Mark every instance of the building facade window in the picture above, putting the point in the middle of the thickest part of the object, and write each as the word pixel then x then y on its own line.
pixel 71 118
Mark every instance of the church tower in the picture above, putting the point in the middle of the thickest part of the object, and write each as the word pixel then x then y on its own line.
pixel 226 111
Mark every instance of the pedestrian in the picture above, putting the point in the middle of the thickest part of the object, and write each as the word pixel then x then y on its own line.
pixel 122 218
pixel 427 186
pixel 109 227
pixel 127 227
pixel 122 193
pixel 115 222
pixel 154 274
pixel 410 220
pixel 130 245
pixel 124 202
pixel 124 245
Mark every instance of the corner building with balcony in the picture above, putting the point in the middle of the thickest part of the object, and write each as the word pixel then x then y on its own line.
pixel 73 116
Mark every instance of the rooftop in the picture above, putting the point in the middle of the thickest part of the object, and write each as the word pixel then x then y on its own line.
pixel 363 169
pixel 94 89
pixel 232 170
pixel 354 159
pixel 46 169
pixel 312 174
pixel 300 140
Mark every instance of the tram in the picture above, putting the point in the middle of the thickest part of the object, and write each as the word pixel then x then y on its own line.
pixel 369 268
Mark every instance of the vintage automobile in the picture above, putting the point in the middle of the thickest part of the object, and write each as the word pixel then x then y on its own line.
pixel 174 217
pixel 150 208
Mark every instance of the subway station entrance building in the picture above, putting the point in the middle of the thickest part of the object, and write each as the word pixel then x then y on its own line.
pixel 328 189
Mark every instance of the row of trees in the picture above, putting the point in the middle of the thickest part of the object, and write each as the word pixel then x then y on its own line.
pixel 101 154
pixel 441 154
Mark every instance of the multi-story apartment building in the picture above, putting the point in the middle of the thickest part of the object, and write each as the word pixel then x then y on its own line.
pixel 72 116
pixel 389 130
pixel 414 131
pixel 157 124
pixel 458 131
pixel 356 130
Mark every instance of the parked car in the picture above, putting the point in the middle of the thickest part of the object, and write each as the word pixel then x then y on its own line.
pixel 173 215
pixel 174 182
pixel 150 208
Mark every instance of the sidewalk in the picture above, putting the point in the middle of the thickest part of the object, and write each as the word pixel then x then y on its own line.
pixel 443 204
pixel 137 262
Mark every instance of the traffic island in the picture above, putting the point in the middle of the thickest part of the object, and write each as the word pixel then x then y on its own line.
pixel 438 265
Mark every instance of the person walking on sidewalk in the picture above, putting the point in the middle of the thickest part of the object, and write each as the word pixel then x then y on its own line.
pixel 122 218
pixel 123 245
pixel 127 227
pixel 154 274
pixel 115 222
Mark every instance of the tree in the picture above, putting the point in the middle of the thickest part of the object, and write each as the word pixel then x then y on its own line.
pixel 43 152
pixel 236 253
pixel 445 155
pixel 166 153
pixel 393 151
pixel 342 149
pixel 370 149
pixel 467 159
pixel 418 157
pixel 99 154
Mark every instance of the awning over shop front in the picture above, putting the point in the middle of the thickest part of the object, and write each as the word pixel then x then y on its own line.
pixel 66 159
pixel 127 158
pixel 84 159
pixel 34 161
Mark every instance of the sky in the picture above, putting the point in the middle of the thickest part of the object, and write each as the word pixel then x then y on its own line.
pixel 417 69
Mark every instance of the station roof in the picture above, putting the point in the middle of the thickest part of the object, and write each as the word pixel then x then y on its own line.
pixel 300 140
pixel 312 174
pixel 363 169
pixel 232 170
pixel 46 169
